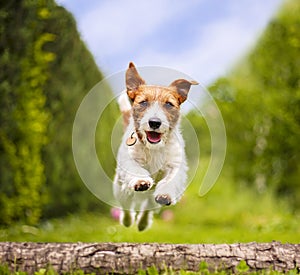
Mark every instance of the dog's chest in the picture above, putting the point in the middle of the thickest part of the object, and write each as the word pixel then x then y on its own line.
pixel 154 161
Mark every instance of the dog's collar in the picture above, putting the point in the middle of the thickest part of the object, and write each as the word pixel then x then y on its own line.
pixel 131 140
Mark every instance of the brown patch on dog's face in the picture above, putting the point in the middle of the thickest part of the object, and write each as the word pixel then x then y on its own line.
pixel 134 81
pixel 167 98
pixel 170 104
pixel 144 96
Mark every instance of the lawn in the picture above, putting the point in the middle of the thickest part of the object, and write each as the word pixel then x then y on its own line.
pixel 227 214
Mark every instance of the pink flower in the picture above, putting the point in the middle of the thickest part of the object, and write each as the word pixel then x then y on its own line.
pixel 115 213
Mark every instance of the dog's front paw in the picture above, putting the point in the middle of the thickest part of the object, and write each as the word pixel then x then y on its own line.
pixel 142 185
pixel 163 199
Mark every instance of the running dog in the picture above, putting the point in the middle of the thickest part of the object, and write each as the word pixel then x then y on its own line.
pixel 151 163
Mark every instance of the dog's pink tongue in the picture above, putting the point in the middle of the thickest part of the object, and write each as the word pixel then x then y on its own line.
pixel 153 137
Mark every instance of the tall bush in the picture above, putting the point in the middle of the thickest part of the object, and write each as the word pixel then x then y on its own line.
pixel 46 70
pixel 260 102
pixel 24 119
pixel 74 74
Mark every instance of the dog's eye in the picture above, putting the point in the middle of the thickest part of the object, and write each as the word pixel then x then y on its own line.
pixel 168 104
pixel 143 103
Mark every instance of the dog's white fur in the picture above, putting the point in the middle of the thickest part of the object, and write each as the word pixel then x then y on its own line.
pixel 148 175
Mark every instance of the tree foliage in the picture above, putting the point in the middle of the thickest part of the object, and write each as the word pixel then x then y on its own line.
pixel 45 72
pixel 24 119
pixel 74 73
pixel 260 102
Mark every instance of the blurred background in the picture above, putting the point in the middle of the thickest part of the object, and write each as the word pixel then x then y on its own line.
pixel 247 54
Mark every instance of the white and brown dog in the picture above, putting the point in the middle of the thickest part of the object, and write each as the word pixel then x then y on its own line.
pixel 151 163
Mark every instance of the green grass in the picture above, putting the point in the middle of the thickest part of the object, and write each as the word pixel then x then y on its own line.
pixel 227 214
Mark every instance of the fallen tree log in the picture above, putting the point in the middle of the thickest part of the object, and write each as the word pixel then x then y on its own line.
pixel 128 258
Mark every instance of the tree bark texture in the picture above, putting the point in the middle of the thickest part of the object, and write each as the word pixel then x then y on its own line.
pixel 128 258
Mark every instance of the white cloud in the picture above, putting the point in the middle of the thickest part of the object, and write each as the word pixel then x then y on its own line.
pixel 121 31
pixel 113 26
pixel 218 46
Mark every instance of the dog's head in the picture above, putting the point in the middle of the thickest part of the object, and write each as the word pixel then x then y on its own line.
pixel 155 109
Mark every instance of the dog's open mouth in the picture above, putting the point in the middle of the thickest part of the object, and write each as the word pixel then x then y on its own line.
pixel 153 137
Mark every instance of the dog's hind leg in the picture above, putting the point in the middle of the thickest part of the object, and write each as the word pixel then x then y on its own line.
pixel 145 215
pixel 127 217
pixel 145 219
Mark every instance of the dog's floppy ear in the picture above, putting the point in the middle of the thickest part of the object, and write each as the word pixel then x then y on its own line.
pixel 182 87
pixel 133 81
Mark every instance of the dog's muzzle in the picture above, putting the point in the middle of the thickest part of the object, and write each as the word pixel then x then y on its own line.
pixel 154 123
pixel 153 136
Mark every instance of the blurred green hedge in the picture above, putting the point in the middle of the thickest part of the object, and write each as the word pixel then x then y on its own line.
pixel 46 71
pixel 260 103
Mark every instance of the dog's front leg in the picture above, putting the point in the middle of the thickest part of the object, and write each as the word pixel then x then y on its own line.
pixel 170 189
pixel 130 179
pixel 132 176
pixel 135 178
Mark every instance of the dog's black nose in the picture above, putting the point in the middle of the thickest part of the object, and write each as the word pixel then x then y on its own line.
pixel 154 123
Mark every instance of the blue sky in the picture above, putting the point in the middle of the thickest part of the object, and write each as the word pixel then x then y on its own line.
pixel 202 38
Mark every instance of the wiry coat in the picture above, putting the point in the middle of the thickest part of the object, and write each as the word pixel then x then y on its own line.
pixel 151 163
